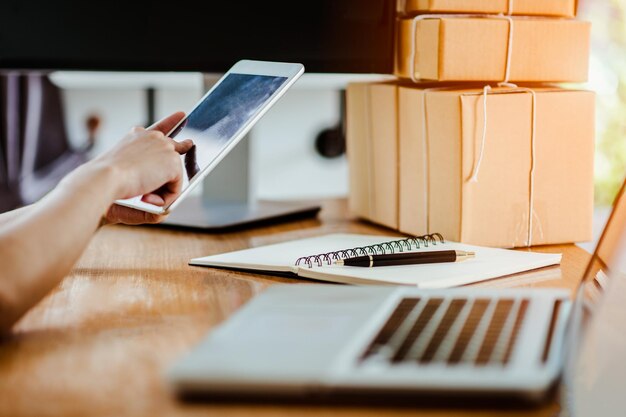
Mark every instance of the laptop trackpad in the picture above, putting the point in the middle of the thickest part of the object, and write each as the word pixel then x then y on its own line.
pixel 293 337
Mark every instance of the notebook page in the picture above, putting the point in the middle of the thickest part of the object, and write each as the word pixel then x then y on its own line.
pixel 489 263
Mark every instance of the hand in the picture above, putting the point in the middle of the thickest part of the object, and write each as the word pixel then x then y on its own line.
pixel 147 163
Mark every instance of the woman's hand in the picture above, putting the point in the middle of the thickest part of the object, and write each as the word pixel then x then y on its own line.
pixel 145 162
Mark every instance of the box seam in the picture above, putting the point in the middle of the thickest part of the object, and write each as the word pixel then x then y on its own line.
pixel 440 52
pixel 398 150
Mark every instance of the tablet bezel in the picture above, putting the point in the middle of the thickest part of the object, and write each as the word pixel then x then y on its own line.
pixel 292 71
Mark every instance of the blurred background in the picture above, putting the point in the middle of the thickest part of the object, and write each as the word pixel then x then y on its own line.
pixel 284 156
pixel 296 150
pixel 104 73
pixel 607 77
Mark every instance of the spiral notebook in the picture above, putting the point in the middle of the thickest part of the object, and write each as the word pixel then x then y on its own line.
pixel 313 258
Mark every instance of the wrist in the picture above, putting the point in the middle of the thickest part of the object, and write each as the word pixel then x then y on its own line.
pixel 95 178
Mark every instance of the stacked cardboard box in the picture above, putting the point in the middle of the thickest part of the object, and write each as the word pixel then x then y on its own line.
pixel 557 8
pixel 469 161
pixel 475 48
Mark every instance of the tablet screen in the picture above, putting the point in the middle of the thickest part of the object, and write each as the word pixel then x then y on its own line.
pixel 220 116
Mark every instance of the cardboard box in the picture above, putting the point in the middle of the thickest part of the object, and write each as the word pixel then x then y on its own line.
pixel 372 143
pixel 433 194
pixel 562 8
pixel 436 194
pixel 467 49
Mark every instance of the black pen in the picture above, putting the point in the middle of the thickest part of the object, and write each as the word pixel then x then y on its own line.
pixel 409 258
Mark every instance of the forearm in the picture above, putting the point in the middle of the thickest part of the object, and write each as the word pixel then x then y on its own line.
pixel 42 244
pixel 39 245
pixel 12 215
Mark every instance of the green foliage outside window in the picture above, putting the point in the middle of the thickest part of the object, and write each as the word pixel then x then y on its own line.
pixel 607 77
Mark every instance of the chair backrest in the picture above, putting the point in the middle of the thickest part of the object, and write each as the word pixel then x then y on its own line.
pixel 35 151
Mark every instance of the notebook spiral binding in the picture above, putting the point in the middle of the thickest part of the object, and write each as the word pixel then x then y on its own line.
pixel 383 248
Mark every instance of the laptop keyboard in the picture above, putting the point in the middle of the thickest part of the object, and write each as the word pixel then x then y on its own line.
pixel 450 330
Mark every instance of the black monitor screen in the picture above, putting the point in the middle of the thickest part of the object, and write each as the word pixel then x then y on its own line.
pixel 324 35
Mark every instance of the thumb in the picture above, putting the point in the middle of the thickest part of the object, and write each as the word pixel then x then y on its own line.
pixel 184 146
pixel 166 124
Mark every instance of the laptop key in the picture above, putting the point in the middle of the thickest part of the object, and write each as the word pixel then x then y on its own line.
pixel 441 330
pixel 445 324
pixel 422 320
pixel 474 318
pixel 391 326
pixel 492 334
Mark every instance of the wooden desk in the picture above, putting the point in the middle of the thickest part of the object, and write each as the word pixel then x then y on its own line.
pixel 99 344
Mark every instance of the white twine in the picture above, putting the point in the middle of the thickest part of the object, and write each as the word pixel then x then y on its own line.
pixel 414 33
pixel 513 88
pixel 474 176
pixel 509 7
pixel 509 49
pixel 531 181
pixel 486 90
pixel 509 44
pixel 503 83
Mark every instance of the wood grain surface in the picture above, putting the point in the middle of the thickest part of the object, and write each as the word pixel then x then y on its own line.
pixel 99 344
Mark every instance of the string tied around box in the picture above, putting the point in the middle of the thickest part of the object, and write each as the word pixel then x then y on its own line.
pixel 509 49
pixel 473 178
pixel 505 83
pixel 531 180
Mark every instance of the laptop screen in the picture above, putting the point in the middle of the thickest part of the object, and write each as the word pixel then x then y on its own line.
pixel 594 368
pixel 609 256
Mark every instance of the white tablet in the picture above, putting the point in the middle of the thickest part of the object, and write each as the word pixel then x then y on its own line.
pixel 222 118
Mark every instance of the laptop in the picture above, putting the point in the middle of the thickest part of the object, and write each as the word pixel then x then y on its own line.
pixel 304 340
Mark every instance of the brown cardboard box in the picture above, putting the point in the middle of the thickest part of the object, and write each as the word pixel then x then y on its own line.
pixel 372 143
pixel 563 8
pixel 467 49
pixel 436 194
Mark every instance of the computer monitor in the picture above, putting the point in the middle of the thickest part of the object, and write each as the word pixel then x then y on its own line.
pixel 347 36
pixel 327 36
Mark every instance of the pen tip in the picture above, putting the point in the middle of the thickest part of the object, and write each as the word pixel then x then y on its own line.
pixel 338 262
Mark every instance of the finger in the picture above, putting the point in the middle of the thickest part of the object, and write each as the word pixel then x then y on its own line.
pixel 153 199
pixel 151 218
pixel 127 215
pixel 183 147
pixel 170 191
pixel 168 123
